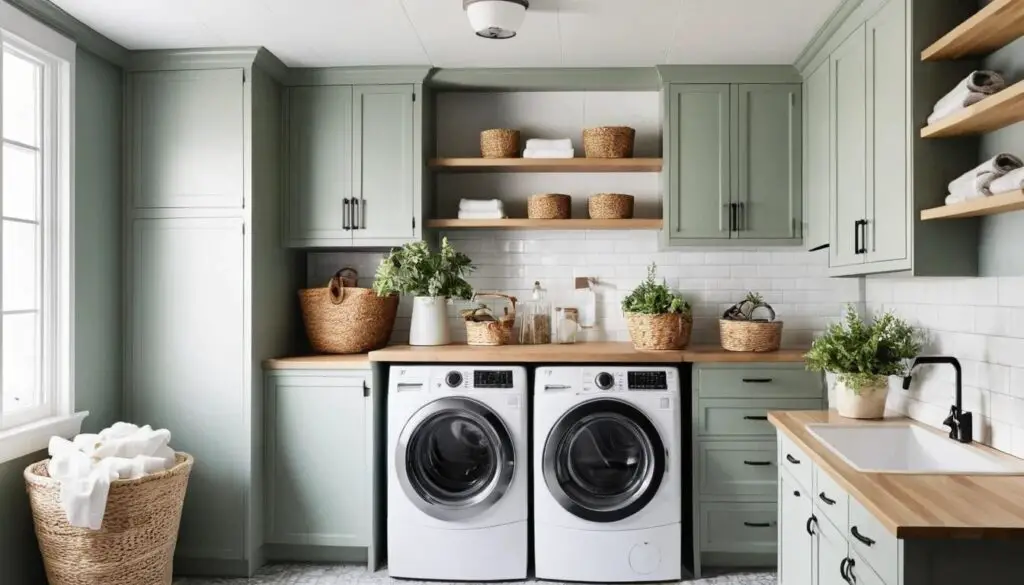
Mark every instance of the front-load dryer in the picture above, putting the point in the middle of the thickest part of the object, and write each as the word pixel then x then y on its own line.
pixel 457 473
pixel 607 474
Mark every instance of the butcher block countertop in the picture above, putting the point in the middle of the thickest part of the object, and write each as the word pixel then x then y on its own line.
pixel 917 506
pixel 612 352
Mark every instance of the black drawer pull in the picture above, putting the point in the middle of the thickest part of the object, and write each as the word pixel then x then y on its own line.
pixel 792 459
pixel 751 417
pixel 826 499
pixel 811 522
pixel 757 463
pixel 758 524
pixel 757 380
pixel 856 534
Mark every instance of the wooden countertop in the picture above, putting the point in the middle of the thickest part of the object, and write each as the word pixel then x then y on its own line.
pixel 613 352
pixel 359 361
pixel 918 506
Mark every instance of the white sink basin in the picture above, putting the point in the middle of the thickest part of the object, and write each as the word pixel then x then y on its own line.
pixel 906 448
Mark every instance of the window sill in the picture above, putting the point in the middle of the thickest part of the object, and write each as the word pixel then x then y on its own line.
pixel 30 438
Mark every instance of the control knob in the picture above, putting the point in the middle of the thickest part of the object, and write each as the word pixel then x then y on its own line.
pixel 604 381
pixel 453 379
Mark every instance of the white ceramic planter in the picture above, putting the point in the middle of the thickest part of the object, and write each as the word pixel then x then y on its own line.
pixel 429 321
pixel 867 403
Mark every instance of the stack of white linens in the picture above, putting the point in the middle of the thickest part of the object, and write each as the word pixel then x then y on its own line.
pixel 999 174
pixel 974 88
pixel 481 209
pixel 542 148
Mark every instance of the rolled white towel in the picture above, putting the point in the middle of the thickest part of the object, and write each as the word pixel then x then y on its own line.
pixel 481 214
pixel 1011 181
pixel 970 187
pixel 971 90
pixel 975 182
pixel 548 153
pixel 549 144
pixel 481 205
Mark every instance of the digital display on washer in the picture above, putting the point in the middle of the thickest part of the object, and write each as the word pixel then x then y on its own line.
pixel 492 379
pixel 647 380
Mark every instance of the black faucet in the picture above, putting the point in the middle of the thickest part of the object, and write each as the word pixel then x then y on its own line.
pixel 960 423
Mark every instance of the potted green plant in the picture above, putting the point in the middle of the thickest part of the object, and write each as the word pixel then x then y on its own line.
pixel 862 355
pixel 657 318
pixel 433 278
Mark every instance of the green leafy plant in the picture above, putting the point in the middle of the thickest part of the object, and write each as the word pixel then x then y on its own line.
pixel 864 353
pixel 414 269
pixel 744 310
pixel 654 298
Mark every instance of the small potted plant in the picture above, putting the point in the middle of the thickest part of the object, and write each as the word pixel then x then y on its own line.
pixel 863 355
pixel 750 325
pixel 657 317
pixel 433 278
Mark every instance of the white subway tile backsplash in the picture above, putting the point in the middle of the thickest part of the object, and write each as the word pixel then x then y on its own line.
pixel 1011 291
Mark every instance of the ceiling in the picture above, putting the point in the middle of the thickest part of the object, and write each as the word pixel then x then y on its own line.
pixel 557 33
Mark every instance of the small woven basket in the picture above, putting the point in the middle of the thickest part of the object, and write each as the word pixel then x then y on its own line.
pixel 610 206
pixel 499 143
pixel 497 332
pixel 664 331
pixel 136 543
pixel 341 319
pixel 759 336
pixel 609 142
pixel 549 206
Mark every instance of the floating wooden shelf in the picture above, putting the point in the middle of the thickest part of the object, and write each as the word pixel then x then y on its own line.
pixel 991 113
pixel 1001 203
pixel 992 27
pixel 547 224
pixel 548 165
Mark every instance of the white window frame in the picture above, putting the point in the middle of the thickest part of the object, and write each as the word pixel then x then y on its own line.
pixel 30 431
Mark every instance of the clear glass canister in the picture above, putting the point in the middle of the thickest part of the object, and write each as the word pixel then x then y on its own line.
pixel 567 324
pixel 535 319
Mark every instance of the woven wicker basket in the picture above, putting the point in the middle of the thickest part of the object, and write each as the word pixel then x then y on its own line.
pixel 340 319
pixel 492 332
pixel 609 142
pixel 549 206
pixel 759 336
pixel 136 544
pixel 665 331
pixel 499 143
pixel 610 206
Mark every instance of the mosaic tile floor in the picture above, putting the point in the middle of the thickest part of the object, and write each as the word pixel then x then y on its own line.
pixel 358 575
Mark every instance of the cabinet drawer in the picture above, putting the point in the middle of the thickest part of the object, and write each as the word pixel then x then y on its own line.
pixel 830 499
pixel 737 468
pixel 861 572
pixel 759 383
pixel 876 545
pixel 738 528
pixel 795 461
pixel 735 417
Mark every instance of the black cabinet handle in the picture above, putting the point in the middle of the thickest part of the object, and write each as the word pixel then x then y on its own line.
pixel 732 218
pixel 850 577
pixel 826 499
pixel 856 237
pixel 860 236
pixel 757 380
pixel 842 568
pixel 345 210
pixel 811 522
pixel 792 459
pixel 752 417
pixel 856 534
pixel 758 524
pixel 355 213
pixel 757 463
pixel 863 236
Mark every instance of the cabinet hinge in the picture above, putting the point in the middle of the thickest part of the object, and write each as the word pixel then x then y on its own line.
pixel 366 389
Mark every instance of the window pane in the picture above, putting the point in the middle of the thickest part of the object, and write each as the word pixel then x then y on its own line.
pixel 21 362
pixel 21 266
pixel 21 183
pixel 21 99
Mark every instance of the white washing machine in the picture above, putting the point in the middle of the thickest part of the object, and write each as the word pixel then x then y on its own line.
pixel 457 473
pixel 607 474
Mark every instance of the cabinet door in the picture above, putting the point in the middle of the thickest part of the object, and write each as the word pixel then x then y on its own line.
pixel 319 165
pixel 849 144
pixel 187 367
pixel 768 168
pixel 887 194
pixel 832 549
pixel 188 131
pixel 796 543
pixel 699 173
pixel 317 458
pixel 817 163
pixel 383 145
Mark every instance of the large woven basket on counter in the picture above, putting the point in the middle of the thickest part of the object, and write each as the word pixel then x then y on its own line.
pixel 610 206
pixel 135 545
pixel 740 331
pixel 497 332
pixel 609 142
pixel 341 319
pixel 499 143
pixel 664 331
pixel 549 206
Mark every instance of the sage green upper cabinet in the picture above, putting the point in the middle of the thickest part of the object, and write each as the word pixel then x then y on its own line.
pixel 817 162
pixel 187 138
pixel 768 166
pixel 319 122
pixel 849 144
pixel 384 169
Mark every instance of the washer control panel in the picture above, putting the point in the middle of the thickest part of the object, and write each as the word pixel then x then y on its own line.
pixel 611 379
pixel 647 380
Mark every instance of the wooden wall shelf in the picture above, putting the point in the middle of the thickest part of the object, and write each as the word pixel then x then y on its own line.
pixel 1002 203
pixel 992 27
pixel 548 165
pixel 991 113
pixel 547 224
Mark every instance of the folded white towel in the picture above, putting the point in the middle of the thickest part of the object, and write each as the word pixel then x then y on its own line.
pixel 549 144
pixel 971 90
pixel 547 153
pixel 1011 181
pixel 495 214
pixel 975 182
pixel 481 205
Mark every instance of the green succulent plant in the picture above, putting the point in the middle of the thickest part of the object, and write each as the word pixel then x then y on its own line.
pixel 414 269
pixel 654 298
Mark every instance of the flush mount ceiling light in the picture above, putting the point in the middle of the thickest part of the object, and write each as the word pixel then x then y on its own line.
pixel 495 19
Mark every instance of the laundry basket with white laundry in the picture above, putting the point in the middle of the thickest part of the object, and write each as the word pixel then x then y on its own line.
pixel 113 518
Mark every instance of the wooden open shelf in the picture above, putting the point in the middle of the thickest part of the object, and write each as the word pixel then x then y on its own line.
pixel 547 224
pixel 548 165
pixel 1002 203
pixel 994 112
pixel 992 27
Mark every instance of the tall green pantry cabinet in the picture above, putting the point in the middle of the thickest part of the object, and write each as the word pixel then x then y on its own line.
pixel 203 197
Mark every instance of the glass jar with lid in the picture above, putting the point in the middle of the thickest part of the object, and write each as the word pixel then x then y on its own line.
pixel 535 318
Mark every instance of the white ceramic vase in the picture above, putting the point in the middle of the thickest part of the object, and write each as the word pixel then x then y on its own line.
pixel 866 403
pixel 429 321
